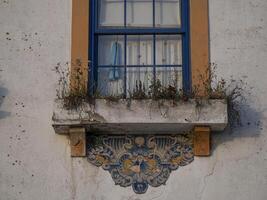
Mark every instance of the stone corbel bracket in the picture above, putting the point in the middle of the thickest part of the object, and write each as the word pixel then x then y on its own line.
pixel 142 117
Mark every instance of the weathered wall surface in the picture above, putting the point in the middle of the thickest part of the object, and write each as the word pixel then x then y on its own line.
pixel 35 163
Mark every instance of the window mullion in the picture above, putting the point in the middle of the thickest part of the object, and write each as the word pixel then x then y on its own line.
pixel 125 13
pixel 154 58
pixel 140 31
pixel 92 52
pixel 154 45
pixel 185 45
pixel 125 52
pixel 154 14
pixel 125 66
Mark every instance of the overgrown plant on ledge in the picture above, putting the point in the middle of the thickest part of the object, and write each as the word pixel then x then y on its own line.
pixel 155 91
pixel 74 96
pixel 139 92
pixel 233 91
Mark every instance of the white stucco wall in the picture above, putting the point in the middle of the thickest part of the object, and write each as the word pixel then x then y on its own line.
pixel 35 163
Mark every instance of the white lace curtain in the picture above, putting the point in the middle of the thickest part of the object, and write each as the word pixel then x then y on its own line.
pixel 114 79
pixel 140 13
pixel 139 62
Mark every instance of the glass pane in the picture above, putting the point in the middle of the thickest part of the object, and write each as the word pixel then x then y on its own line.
pixel 111 50
pixel 111 13
pixel 140 50
pixel 167 13
pixel 139 13
pixel 138 81
pixel 110 81
pixel 169 50
pixel 170 76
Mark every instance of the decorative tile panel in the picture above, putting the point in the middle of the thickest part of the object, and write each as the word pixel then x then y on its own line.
pixel 140 161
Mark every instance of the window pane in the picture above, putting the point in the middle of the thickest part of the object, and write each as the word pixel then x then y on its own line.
pixel 110 81
pixel 138 80
pixel 170 76
pixel 140 50
pixel 169 50
pixel 111 50
pixel 139 13
pixel 111 12
pixel 167 13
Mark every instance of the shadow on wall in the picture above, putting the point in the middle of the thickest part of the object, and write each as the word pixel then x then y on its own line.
pixel 3 94
pixel 250 127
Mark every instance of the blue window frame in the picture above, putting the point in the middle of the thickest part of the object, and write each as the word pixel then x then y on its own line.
pixel 128 46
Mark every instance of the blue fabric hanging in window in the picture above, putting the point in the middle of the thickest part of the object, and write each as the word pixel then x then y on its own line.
pixel 116 51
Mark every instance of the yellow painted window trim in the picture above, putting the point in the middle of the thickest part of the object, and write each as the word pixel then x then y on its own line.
pixel 79 45
pixel 199 39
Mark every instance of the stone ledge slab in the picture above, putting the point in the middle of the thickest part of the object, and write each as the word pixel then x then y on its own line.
pixel 141 116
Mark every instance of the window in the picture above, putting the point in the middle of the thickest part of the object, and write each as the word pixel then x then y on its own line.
pixel 134 43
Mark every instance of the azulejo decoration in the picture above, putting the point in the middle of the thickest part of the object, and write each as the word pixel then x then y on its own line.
pixel 140 161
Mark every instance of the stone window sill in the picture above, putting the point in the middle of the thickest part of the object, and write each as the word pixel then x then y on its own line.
pixel 141 116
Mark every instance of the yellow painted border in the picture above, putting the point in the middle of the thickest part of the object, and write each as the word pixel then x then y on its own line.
pixel 199 37
pixel 79 44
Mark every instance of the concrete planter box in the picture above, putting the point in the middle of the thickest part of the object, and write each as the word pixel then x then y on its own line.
pixel 141 116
